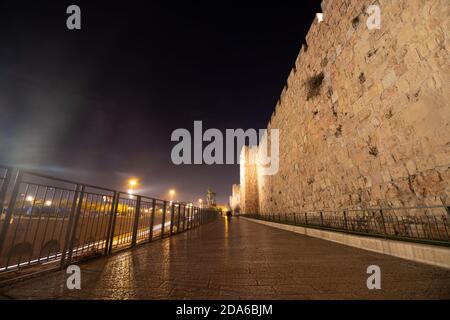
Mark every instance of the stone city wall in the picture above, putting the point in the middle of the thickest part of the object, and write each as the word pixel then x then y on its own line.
pixel 364 116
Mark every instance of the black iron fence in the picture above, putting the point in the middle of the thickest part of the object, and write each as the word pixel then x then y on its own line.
pixel 421 224
pixel 5 176
pixel 45 219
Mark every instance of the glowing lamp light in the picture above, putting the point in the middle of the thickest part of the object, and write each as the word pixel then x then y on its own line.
pixel 30 199
pixel 48 203
pixel 319 17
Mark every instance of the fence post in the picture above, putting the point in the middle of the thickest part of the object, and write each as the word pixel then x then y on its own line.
pixel 194 218
pixel 345 220
pixel 321 218
pixel 73 209
pixel 75 223
pixel 10 210
pixel 136 221
pixel 172 217
pixel 113 226
pixel 4 189
pixel 384 223
pixel 184 217
pixel 295 219
pixel 179 217
pixel 152 221
pixel 111 223
pixel 306 218
pixel 163 220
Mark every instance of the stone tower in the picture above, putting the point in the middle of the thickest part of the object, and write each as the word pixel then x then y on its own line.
pixel 210 198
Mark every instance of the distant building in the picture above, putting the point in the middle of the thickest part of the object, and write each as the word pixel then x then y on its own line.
pixel 211 199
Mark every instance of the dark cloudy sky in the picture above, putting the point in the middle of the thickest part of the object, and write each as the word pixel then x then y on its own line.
pixel 99 105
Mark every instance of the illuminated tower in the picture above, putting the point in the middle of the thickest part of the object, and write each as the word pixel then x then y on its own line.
pixel 210 198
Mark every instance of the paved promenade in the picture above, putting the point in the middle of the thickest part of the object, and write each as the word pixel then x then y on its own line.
pixel 240 260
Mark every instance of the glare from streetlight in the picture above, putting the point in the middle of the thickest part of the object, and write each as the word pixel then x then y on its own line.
pixel 171 193
pixel 133 182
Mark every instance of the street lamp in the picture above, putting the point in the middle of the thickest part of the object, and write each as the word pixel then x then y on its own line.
pixel 132 183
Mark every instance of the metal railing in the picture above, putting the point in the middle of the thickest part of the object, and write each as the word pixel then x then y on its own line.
pixel 428 224
pixel 47 219
pixel 5 176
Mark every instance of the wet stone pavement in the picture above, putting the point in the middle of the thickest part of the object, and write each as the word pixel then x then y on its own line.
pixel 240 260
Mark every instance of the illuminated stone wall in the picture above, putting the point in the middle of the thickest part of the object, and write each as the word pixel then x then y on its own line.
pixel 249 183
pixel 375 131
pixel 235 199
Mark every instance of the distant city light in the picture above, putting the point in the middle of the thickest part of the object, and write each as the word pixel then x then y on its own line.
pixel 48 203
pixel 30 199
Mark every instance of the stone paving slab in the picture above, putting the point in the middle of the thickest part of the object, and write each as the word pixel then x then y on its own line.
pixel 239 259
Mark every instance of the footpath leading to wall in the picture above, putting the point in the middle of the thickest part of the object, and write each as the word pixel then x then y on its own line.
pixel 432 255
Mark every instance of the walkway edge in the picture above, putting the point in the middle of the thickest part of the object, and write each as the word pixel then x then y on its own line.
pixel 431 255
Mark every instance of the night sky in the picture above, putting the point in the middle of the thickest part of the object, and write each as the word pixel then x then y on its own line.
pixel 99 105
